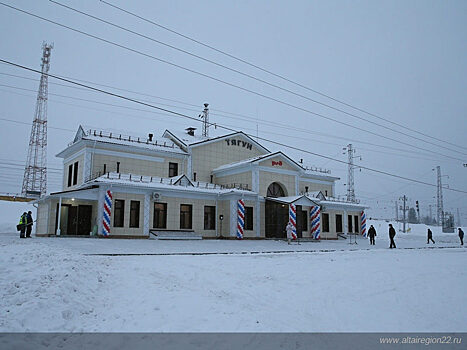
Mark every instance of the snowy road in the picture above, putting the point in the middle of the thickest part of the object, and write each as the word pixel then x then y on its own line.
pixel 52 284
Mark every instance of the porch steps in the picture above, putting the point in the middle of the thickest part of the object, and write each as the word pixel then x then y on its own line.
pixel 175 235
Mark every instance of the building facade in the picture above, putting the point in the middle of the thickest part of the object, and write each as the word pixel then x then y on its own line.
pixel 122 186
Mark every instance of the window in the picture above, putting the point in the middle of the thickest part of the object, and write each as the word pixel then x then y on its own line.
pixel 118 167
pixel 70 174
pixel 75 173
pixel 105 168
pixel 338 223
pixel 325 222
pixel 349 219
pixel 249 218
pixel 134 214
pixel 194 176
pixel 275 190
pixel 212 178
pixel 304 220
pixel 160 215
pixel 356 224
pixel 173 169
pixel 119 212
pixel 306 189
pixel 209 217
pixel 186 215
pixel 326 193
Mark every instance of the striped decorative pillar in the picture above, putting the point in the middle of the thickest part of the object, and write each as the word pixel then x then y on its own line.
pixel 315 220
pixel 107 213
pixel 240 218
pixel 363 224
pixel 293 219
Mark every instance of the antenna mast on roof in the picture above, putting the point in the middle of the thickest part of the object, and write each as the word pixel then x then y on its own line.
pixel 205 118
pixel 35 171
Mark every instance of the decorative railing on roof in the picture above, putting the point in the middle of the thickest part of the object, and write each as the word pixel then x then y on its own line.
pixel 175 181
pixel 316 169
pixel 127 138
pixel 342 199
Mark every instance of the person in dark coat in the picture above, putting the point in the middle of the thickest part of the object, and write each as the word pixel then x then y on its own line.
pixel 22 225
pixel 461 236
pixel 392 234
pixel 430 236
pixel 29 223
pixel 372 234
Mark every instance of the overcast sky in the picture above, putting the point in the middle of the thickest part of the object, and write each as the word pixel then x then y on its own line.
pixel 404 61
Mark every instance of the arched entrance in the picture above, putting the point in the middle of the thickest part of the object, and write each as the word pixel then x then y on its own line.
pixel 277 214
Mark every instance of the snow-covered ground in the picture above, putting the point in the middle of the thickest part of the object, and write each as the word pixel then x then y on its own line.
pixel 68 284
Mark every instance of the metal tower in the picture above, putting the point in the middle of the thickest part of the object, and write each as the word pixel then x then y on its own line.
pixel 440 199
pixel 35 171
pixel 350 177
pixel 205 118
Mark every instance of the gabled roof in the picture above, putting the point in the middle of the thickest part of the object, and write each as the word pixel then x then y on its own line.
pixel 195 141
pixel 257 160
pixel 297 200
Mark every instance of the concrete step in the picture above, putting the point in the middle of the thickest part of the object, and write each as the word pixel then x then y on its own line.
pixel 175 235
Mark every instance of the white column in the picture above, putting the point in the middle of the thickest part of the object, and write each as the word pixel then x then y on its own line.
pixel 233 217
pixel 258 217
pixel 59 215
pixel 297 185
pixel 346 222
pixel 255 180
pixel 147 202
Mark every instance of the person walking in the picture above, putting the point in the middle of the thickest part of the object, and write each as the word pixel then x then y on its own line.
pixel 22 225
pixel 392 234
pixel 430 237
pixel 372 235
pixel 461 236
pixel 289 230
pixel 29 223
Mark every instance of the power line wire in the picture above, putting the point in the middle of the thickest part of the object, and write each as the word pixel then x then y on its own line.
pixel 223 82
pixel 251 76
pixel 275 74
pixel 225 127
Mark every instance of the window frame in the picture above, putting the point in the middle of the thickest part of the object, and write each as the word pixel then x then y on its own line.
pixel 356 224
pixel 209 217
pixel 164 217
pixel 134 218
pixel 70 175
pixel 183 215
pixel 338 223
pixel 325 222
pixel 248 218
pixel 120 211
pixel 75 173
pixel 173 167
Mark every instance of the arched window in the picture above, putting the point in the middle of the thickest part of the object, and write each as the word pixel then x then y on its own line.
pixel 275 190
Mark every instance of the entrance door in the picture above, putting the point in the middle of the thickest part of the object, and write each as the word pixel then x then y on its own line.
pixel 276 218
pixel 72 227
pixel 300 223
pixel 84 219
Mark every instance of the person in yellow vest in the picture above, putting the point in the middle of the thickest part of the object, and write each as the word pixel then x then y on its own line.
pixel 22 225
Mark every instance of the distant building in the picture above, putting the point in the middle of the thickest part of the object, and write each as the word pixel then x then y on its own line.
pixel 184 183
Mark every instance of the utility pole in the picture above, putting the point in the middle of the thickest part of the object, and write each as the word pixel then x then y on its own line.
pixel 397 212
pixel 205 117
pixel 418 210
pixel 350 174
pixel 431 214
pixel 404 209
pixel 440 198
pixel 35 171
pixel 458 218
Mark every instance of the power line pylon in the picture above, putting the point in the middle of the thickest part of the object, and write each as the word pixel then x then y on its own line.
pixel 35 171
pixel 350 175
pixel 440 199
pixel 205 117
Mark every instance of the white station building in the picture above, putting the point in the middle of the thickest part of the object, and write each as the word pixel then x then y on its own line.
pixel 181 185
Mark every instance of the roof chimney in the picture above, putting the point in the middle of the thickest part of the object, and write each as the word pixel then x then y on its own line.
pixel 190 131
pixel 150 137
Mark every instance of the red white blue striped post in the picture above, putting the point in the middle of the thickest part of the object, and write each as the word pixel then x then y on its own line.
pixel 363 224
pixel 315 220
pixel 107 213
pixel 293 219
pixel 240 218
